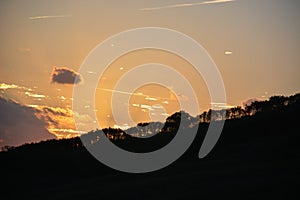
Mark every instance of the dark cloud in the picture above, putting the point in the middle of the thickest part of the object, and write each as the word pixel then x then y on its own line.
pixel 64 75
pixel 19 124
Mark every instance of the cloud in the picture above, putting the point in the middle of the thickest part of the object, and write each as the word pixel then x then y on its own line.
pixel 122 92
pixel 228 52
pixel 219 105
pixel 123 127
pixel 150 98
pixel 145 106
pixel 65 133
pixel 55 117
pixel 19 124
pixel 21 94
pixel 60 121
pixel 64 75
pixel 215 1
pixel 186 5
pixel 5 86
pixel 56 120
pixel 35 95
pixel 48 16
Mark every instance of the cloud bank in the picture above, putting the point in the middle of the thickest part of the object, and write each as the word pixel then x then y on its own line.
pixel 19 125
pixel 64 75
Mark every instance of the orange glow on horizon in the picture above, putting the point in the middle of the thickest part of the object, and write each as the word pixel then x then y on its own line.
pixel 142 98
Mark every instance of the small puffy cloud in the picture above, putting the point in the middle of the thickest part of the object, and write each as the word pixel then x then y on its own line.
pixel 64 75
pixel 19 124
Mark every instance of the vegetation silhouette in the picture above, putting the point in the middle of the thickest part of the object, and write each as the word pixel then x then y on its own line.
pixel 257 154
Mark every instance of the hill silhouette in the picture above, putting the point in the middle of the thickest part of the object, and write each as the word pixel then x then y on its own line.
pixel 257 155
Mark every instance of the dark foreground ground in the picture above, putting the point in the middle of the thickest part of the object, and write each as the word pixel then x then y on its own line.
pixel 256 157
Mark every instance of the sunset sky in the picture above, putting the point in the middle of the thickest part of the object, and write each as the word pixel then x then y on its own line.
pixel 254 43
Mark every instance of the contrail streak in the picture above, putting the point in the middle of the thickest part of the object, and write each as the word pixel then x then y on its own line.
pixel 48 16
pixel 185 5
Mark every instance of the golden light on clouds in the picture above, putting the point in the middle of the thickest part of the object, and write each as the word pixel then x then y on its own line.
pixel 5 86
pixel 35 95
pixel 152 108
pixel 142 99
pixel 59 121
pixel 37 36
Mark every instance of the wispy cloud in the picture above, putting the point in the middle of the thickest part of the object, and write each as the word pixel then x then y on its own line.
pixel 228 52
pixel 172 97
pixel 59 120
pixel 122 92
pixel 185 5
pixel 151 98
pixel 65 133
pixel 35 95
pixel 218 105
pixel 145 106
pixel 17 92
pixel 5 86
pixel 48 16
pixel 123 127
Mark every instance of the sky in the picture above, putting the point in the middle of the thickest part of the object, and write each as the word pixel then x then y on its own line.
pixel 254 43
